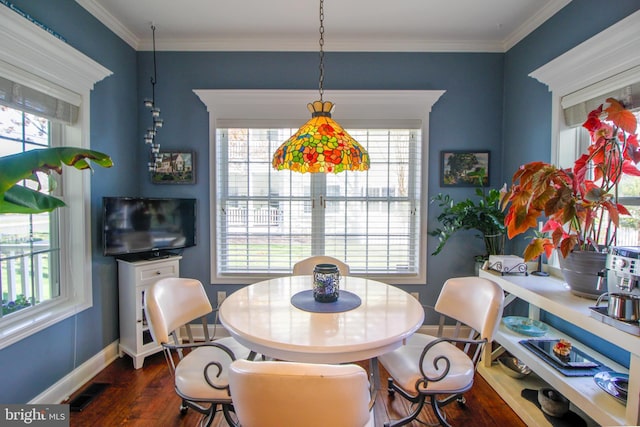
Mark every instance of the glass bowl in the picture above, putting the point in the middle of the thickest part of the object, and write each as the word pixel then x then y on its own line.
pixel 513 367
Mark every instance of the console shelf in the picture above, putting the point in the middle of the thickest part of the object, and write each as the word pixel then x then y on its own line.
pixel 551 294
pixel 134 279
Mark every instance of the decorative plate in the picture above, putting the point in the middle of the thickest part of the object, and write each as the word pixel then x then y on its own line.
pixel 525 326
pixel 614 383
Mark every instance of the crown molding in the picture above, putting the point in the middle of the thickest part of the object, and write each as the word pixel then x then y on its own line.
pixel 101 14
pixel 532 23
pixel 258 44
pixel 311 45
pixel 33 49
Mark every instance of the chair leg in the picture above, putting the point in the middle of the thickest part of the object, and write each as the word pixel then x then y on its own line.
pixel 227 410
pixel 209 415
pixel 417 400
pixel 435 405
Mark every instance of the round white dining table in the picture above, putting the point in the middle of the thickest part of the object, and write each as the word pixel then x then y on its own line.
pixel 262 318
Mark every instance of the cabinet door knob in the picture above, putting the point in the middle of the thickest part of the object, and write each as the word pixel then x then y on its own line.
pixel 158 273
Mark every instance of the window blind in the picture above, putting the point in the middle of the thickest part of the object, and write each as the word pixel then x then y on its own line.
pixel 32 94
pixel 624 87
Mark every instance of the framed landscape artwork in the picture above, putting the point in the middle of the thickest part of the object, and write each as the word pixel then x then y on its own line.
pixel 464 168
pixel 175 168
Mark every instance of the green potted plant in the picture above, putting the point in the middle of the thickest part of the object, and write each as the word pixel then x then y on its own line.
pixel 482 214
pixel 15 168
pixel 579 203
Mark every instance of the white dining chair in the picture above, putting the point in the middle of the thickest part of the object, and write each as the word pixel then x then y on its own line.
pixel 306 266
pixel 437 369
pixel 277 394
pixel 200 374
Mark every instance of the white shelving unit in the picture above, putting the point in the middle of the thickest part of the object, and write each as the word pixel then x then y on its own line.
pixel 134 278
pixel 552 295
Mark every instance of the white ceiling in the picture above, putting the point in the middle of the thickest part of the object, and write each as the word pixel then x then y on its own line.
pixel 350 25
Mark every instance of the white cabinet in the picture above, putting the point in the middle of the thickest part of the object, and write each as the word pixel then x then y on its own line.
pixel 134 278
pixel 552 295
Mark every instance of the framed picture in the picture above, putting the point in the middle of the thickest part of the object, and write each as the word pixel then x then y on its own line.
pixel 175 168
pixel 464 168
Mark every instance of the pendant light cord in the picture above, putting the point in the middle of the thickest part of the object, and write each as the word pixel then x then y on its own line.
pixel 321 89
pixel 154 77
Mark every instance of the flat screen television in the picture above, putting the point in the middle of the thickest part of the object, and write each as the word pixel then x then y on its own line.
pixel 140 227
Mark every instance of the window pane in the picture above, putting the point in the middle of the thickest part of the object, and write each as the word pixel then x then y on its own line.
pixel 36 129
pixel 10 123
pixel 28 247
pixel 271 219
pixel 577 140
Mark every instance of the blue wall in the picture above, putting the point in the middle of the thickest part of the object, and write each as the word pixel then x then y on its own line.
pixel 489 99
pixel 35 363
pixel 468 116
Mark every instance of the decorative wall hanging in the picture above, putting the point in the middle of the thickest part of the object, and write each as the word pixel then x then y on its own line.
pixel 464 168
pixel 175 168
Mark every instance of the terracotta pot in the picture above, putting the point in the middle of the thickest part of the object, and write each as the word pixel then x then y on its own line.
pixel 584 272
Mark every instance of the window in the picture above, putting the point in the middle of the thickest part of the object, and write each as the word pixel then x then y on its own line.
pixel 267 219
pixel 44 98
pixel 629 195
pixel 628 192
pixel 29 246
pixel 263 220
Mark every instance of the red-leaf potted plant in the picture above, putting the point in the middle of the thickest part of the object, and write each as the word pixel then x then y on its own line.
pixel 579 203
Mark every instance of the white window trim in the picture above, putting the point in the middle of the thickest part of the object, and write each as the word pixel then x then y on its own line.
pixel 353 109
pixel 582 70
pixel 48 59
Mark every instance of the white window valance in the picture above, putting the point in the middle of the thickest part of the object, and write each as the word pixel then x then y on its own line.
pixel 30 100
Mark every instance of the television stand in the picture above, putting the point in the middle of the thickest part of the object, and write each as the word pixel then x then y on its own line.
pixel 134 278
pixel 147 256
pixel 158 256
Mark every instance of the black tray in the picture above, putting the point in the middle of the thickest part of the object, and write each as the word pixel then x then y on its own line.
pixel 577 359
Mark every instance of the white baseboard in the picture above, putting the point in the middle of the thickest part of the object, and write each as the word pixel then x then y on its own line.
pixel 65 387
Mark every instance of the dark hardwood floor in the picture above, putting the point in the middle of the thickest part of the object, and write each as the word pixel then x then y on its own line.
pixel 145 398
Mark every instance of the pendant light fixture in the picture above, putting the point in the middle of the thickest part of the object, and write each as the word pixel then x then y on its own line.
pixel 321 145
pixel 150 135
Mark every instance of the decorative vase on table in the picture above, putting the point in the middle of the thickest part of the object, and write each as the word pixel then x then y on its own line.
pixel 326 282
pixel 494 243
pixel 584 272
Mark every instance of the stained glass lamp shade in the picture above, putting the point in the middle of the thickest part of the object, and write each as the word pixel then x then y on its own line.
pixel 321 146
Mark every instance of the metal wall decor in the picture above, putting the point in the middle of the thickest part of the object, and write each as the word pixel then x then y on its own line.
pixel 156 121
